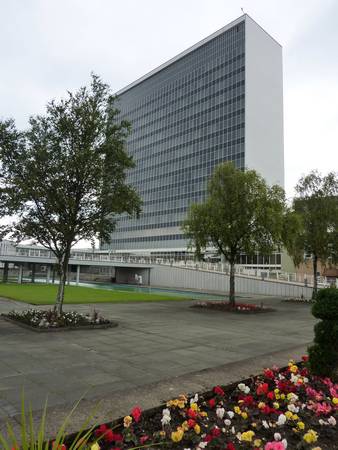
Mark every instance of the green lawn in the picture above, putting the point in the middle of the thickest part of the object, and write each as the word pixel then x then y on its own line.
pixel 40 294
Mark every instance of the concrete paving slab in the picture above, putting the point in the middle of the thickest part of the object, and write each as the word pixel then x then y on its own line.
pixel 153 342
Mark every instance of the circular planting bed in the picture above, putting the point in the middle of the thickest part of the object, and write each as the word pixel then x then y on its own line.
pixel 45 321
pixel 242 308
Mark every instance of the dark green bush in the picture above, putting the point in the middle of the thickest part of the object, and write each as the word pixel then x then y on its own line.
pixel 322 361
pixel 326 304
pixel 326 331
pixel 323 355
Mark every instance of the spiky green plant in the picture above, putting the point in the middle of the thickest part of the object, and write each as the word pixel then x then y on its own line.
pixel 32 439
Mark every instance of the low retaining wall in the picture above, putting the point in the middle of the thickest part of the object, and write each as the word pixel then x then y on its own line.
pixel 188 278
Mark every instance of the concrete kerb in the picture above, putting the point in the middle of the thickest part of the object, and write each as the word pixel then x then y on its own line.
pixel 119 403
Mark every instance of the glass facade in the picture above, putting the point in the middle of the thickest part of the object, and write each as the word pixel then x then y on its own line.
pixel 186 119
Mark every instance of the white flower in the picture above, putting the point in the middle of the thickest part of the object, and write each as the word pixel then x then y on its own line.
pixel 220 412
pixel 332 421
pixel 265 424
pixel 321 422
pixel 293 408
pixel 233 430
pixel 230 414
pixel 202 445
pixel 277 437
pixel 242 387
pixel 166 418
pixel 285 443
pixel 194 399
pixel 227 422
pixel 281 420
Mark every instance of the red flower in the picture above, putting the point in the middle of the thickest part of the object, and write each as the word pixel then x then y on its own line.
pixel 270 395
pixel 305 358
pixel 109 436
pixel 268 373
pixel 262 389
pixel 117 437
pixel 101 430
pixel 191 423
pixel 208 438
pixel 216 432
pixel 248 400
pixel 54 446
pixel 219 391
pixel 212 403
pixel 230 446
pixel 191 413
pixel 136 413
pixel 143 439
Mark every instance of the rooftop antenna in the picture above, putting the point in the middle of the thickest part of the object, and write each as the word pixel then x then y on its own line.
pixel 242 10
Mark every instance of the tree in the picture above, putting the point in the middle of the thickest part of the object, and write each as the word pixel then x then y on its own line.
pixel 241 214
pixel 64 178
pixel 316 205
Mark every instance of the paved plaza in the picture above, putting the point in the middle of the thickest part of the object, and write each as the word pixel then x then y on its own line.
pixel 153 342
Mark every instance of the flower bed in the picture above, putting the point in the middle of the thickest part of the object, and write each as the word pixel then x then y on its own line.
pixel 279 409
pixel 42 320
pixel 238 308
pixel 299 300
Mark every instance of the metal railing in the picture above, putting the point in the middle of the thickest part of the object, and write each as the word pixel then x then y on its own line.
pixel 272 274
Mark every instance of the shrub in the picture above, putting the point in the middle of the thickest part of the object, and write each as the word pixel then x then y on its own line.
pixel 323 355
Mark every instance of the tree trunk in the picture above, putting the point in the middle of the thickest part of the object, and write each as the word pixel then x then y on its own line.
pixel 63 268
pixel 315 284
pixel 232 285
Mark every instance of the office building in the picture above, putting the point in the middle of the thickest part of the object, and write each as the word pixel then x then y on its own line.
pixel 220 100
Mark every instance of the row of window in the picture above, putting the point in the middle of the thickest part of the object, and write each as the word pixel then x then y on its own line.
pixel 167 237
pixel 224 91
pixel 165 106
pixel 138 174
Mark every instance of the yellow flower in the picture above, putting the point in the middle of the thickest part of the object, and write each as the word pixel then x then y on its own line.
pixel 194 406
pixel 197 429
pixel 257 442
pixel 244 415
pixel 177 436
pixel 204 414
pixel 276 391
pixel 301 425
pixel 247 436
pixel 237 409
pixel 282 396
pixel 335 400
pixel 310 437
pixel 185 426
pixel 295 417
pixel 127 421
pixel 261 405
pixel 293 369
pixel 288 414
pixel 276 405
pixel 162 433
pixel 277 396
pixel 95 447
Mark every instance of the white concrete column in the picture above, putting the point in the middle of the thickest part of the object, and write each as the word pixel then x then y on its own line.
pixel 78 269
pixel 20 276
pixel 48 274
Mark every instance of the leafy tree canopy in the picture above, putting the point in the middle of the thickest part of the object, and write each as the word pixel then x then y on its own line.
pixel 64 178
pixel 241 214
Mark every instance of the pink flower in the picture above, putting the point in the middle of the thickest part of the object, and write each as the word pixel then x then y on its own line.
pixel 143 439
pixel 274 445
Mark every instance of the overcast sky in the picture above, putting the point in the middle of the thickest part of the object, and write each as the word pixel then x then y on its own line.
pixel 50 46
